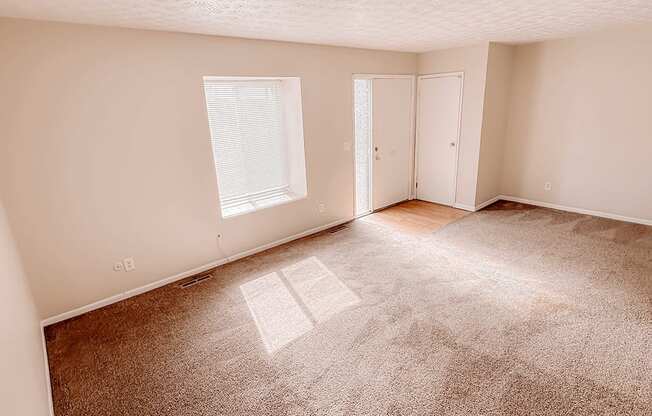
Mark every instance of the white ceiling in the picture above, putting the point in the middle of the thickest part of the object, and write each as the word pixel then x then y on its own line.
pixel 416 25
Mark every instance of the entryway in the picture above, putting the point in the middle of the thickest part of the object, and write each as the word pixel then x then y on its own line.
pixel 384 120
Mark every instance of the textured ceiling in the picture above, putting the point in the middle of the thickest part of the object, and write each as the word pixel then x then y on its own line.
pixel 417 25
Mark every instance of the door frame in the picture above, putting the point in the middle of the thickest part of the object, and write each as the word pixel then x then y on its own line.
pixel 411 150
pixel 459 74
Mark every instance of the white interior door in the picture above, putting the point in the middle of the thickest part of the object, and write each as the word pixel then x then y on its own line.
pixel 438 121
pixel 391 138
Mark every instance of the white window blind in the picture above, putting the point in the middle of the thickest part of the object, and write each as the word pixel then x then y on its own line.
pixel 249 136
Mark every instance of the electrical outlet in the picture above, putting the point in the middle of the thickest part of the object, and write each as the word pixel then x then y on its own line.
pixel 547 186
pixel 129 263
pixel 322 208
pixel 118 267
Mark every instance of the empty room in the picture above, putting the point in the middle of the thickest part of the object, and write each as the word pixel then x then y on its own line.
pixel 330 207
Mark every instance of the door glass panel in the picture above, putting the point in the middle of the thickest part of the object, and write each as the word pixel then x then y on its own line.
pixel 362 109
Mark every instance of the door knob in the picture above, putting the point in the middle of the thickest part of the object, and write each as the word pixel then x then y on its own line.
pixel 452 144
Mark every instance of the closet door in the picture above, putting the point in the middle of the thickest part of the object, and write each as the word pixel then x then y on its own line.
pixel 438 125
pixel 391 131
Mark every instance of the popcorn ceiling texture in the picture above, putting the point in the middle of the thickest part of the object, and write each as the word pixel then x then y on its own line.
pixel 416 26
pixel 514 310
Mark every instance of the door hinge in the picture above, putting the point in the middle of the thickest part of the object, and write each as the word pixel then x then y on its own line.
pixel 416 185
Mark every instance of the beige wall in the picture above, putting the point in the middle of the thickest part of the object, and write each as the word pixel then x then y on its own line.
pixel 23 388
pixel 106 150
pixel 581 118
pixel 473 62
pixel 494 121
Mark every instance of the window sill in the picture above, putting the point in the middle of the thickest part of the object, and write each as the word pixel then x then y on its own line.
pixel 234 207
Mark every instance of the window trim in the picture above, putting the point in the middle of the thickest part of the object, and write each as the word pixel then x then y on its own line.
pixel 245 78
pixel 255 200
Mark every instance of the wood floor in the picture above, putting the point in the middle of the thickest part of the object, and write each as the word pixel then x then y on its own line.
pixel 415 217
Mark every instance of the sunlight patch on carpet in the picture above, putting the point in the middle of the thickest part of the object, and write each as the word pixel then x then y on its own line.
pixel 278 317
pixel 319 289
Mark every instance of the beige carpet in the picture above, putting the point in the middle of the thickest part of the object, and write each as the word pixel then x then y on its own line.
pixel 514 310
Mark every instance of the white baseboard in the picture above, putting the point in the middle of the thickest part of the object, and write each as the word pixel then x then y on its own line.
pixel 487 203
pixel 472 208
pixel 46 363
pixel 554 206
pixel 576 210
pixel 170 279
pixel 465 207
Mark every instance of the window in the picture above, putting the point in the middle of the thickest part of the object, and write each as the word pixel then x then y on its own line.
pixel 257 138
